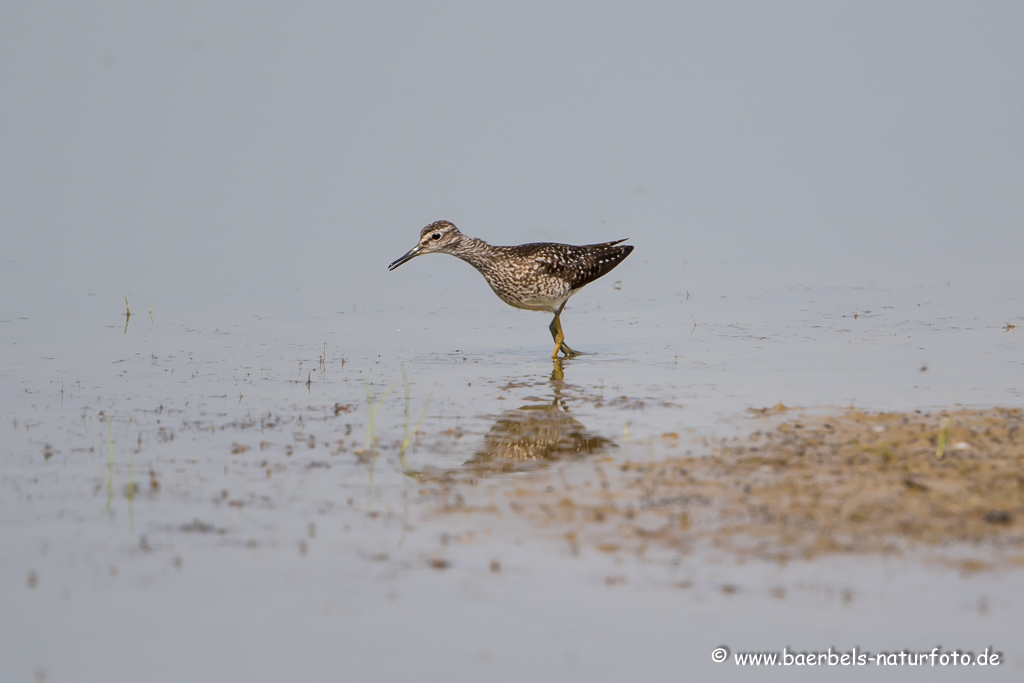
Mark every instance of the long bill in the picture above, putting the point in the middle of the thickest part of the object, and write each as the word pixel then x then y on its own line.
pixel 409 255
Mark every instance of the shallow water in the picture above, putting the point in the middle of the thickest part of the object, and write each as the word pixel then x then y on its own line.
pixel 264 536
pixel 201 493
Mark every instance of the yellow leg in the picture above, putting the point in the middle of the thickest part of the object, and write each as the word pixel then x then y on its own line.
pixel 559 337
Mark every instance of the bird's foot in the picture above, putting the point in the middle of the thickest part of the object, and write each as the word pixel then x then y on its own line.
pixel 567 352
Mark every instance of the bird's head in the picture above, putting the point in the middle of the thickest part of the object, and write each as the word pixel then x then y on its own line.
pixel 438 237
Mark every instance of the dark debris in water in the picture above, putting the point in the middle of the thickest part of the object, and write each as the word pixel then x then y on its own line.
pixel 199 527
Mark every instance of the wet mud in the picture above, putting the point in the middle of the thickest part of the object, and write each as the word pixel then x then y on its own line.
pixel 950 484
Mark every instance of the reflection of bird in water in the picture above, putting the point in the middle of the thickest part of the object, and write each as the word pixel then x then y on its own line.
pixel 540 432
pixel 536 277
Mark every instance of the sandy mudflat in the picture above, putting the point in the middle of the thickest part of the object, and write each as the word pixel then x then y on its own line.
pixel 841 482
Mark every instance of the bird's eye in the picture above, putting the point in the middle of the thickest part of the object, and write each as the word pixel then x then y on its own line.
pixel 436 236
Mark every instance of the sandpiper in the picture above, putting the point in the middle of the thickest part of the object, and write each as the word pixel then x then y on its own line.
pixel 536 277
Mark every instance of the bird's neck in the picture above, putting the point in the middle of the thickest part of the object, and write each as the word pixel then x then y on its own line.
pixel 475 252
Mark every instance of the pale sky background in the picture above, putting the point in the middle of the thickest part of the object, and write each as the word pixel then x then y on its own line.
pixel 283 154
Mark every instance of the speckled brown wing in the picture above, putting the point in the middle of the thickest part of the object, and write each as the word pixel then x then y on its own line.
pixel 580 265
